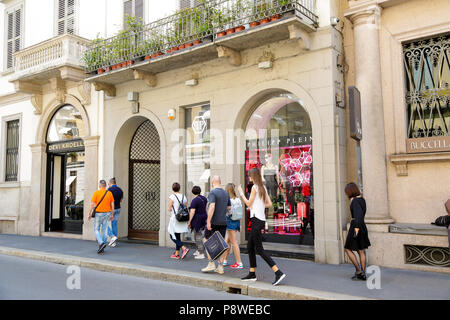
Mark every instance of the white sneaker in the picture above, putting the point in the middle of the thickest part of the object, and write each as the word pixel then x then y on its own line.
pixel 196 253
pixel 114 245
pixel 210 267
pixel 112 241
pixel 219 269
pixel 199 256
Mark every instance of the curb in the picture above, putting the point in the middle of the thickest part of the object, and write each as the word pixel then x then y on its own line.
pixel 216 282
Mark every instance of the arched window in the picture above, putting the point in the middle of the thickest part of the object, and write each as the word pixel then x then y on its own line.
pixel 66 124
pixel 279 143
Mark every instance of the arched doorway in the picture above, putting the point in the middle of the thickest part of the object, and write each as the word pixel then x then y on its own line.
pixel 65 172
pixel 144 183
pixel 279 143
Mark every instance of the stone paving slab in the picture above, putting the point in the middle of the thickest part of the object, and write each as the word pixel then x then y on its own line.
pixel 315 281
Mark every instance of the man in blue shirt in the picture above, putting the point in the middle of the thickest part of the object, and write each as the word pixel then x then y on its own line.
pixel 118 197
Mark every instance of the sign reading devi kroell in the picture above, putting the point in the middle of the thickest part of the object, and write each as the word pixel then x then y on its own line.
pixel 66 146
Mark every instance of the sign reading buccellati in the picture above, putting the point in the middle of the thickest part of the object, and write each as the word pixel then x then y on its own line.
pixel 425 145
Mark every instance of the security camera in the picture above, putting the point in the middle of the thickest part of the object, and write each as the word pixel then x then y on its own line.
pixel 334 21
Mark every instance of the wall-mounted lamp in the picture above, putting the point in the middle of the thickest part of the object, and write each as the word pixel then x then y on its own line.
pixel 133 97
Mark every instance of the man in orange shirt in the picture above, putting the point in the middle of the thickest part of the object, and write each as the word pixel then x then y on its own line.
pixel 103 201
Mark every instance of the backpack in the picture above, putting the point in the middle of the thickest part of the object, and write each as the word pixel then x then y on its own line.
pixel 443 221
pixel 182 214
pixel 237 212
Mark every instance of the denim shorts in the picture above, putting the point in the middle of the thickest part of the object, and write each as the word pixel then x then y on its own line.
pixel 233 224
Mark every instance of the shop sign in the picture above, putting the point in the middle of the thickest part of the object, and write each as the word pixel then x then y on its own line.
pixel 65 146
pixel 426 145
pixel 289 141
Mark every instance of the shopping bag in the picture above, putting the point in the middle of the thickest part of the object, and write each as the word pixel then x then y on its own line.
pixel 216 245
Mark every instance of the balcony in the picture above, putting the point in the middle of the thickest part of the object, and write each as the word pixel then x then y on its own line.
pixel 59 57
pixel 214 29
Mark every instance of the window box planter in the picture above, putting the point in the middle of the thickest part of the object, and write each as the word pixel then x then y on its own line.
pixel 265 20
pixel 197 42
pixel 254 24
pixel 100 71
pixel 187 45
pixel 275 17
pixel 221 34
pixel 240 28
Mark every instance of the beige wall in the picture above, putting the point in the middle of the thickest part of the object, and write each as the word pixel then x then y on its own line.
pixel 419 196
pixel 233 93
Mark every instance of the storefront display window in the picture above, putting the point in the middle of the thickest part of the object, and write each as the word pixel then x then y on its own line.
pixel 279 143
pixel 65 172
pixel 197 162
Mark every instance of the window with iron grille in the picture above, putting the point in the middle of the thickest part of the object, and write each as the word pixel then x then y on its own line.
pixel 133 8
pixel 12 150
pixel 14 26
pixel 66 16
pixel 427 74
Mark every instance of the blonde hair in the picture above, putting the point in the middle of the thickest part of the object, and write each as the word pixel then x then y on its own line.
pixel 230 188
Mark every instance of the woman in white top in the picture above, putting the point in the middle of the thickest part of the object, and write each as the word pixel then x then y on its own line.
pixel 258 202
pixel 176 228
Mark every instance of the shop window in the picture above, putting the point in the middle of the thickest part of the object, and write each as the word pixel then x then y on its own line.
pixel 66 16
pixel 427 74
pixel 197 161
pixel 66 124
pixel 12 150
pixel 65 172
pixel 279 143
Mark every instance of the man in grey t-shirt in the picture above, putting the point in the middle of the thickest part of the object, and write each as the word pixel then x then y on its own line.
pixel 219 203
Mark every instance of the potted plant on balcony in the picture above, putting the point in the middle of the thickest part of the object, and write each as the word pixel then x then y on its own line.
pixel 93 58
pixel 239 8
pixel 219 21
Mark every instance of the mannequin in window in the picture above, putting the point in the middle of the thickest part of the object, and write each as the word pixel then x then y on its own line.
pixel 269 172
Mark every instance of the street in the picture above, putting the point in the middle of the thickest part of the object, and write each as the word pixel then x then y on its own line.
pixel 30 280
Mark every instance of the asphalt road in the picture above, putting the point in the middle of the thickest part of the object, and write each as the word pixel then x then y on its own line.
pixel 23 279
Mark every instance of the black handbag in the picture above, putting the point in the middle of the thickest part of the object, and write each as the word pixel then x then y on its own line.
pixel 182 214
pixel 94 210
pixel 216 245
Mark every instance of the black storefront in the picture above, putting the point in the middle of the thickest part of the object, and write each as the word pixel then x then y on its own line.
pixel 65 173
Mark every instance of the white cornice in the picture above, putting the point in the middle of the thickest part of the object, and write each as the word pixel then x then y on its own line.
pixel 13 97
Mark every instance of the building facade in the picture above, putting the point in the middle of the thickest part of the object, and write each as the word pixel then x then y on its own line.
pixel 397 54
pixel 212 88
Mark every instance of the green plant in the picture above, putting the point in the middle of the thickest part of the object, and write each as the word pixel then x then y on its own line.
pixel 94 58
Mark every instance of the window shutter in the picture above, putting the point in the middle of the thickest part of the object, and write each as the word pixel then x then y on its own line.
pixel 127 11
pixel 66 16
pixel 14 33
pixel 184 4
pixel 139 9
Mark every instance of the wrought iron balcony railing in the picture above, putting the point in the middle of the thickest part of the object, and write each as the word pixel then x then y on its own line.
pixel 207 22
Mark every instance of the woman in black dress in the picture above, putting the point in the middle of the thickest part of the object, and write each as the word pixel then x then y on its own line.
pixel 357 237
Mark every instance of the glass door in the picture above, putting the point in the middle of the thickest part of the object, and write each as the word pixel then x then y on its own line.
pixel 55 192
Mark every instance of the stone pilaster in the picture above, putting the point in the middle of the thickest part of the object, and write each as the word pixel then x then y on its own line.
pixel 366 24
pixel 90 182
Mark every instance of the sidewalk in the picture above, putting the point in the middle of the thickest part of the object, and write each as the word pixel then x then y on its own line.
pixel 305 280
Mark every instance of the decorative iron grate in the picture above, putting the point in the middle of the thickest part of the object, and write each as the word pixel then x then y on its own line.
pixel 145 183
pixel 186 26
pixel 433 256
pixel 427 67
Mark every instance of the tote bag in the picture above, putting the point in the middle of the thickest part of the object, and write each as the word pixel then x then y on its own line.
pixel 216 245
